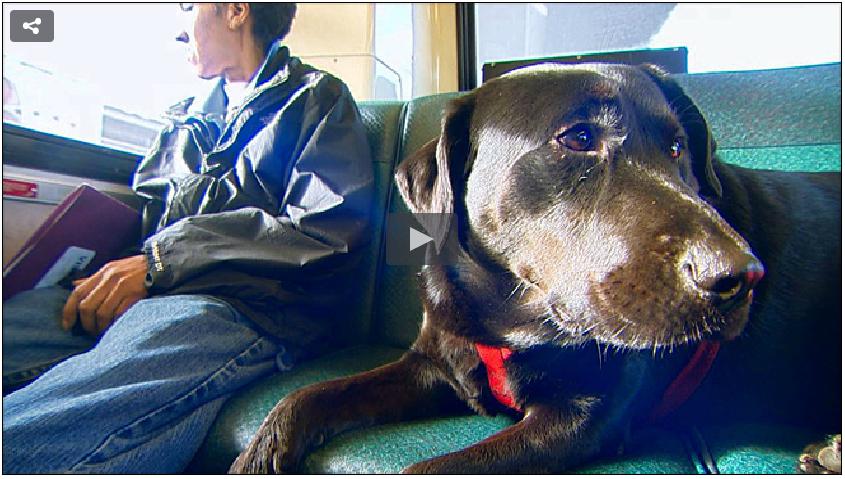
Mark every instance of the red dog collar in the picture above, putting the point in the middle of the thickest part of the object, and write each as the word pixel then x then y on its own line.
pixel 676 394
pixel 494 360
pixel 688 379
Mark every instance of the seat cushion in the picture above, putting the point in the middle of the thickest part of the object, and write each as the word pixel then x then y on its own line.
pixel 651 450
pixel 389 448
pixel 758 448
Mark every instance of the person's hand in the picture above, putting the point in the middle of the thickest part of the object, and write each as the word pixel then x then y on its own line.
pixel 96 301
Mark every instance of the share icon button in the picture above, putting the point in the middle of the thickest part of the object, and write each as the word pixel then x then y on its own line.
pixel 31 26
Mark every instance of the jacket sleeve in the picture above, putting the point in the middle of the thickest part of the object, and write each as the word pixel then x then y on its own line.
pixel 290 203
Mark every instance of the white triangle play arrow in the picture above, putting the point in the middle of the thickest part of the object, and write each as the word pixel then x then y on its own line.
pixel 417 239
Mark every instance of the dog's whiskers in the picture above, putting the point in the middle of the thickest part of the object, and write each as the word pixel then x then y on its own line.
pixel 520 284
pixel 598 349
pixel 621 329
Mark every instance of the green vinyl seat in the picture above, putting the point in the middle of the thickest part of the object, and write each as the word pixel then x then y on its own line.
pixel 788 119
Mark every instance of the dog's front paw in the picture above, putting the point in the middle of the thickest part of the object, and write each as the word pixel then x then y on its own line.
pixel 273 450
pixel 264 455
pixel 822 458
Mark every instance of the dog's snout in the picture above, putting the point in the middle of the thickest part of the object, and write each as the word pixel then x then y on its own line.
pixel 726 284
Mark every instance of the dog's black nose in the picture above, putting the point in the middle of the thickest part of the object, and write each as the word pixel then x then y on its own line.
pixel 729 288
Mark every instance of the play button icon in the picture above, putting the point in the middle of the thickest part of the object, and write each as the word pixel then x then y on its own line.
pixel 418 239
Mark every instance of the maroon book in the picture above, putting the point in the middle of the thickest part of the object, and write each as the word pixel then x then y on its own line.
pixel 85 231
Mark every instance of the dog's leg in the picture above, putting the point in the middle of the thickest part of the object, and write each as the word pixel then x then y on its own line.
pixel 548 439
pixel 406 389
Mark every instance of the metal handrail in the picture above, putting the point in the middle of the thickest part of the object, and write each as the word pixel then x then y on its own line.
pixel 379 60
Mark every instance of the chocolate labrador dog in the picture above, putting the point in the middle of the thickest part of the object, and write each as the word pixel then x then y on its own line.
pixel 605 257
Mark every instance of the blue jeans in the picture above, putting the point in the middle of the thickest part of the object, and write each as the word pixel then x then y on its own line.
pixel 141 399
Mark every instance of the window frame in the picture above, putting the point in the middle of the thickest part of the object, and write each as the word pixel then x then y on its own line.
pixel 30 148
pixel 467 51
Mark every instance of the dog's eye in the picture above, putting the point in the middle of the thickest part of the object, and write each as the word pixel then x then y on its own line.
pixel 578 138
pixel 677 148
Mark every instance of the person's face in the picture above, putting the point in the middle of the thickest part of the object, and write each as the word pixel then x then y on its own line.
pixel 209 37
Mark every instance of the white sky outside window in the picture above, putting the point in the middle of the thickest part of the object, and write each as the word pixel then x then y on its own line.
pixel 124 56
pixel 394 42
pixel 718 36
pixel 127 51
pixel 726 37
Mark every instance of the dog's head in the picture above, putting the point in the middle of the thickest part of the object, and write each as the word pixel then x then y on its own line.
pixel 588 186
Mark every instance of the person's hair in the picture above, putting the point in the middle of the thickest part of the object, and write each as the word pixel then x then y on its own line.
pixel 271 21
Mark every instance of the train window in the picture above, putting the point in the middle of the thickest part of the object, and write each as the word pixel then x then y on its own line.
pixel 107 76
pixel 719 37
pixel 113 69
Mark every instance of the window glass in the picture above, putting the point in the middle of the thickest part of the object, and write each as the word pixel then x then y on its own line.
pixel 107 76
pixel 393 49
pixel 719 37
pixel 113 69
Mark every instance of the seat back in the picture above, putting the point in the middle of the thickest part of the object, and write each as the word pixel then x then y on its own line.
pixel 397 312
pixel 796 110
pixel 383 122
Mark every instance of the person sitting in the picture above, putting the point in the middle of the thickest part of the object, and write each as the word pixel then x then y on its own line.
pixel 256 206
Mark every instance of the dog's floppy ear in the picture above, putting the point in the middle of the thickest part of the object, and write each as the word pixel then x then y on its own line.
pixel 701 143
pixel 431 179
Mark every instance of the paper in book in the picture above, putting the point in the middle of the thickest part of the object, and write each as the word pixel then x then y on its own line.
pixel 85 231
